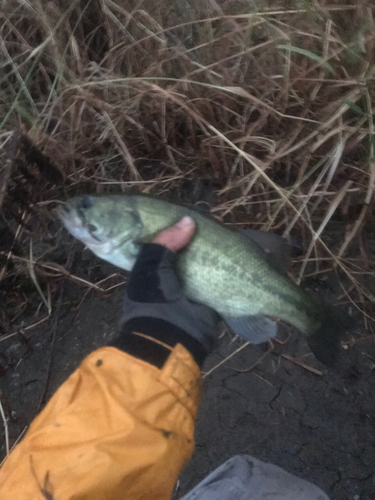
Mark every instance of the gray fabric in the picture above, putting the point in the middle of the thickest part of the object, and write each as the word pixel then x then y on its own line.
pixel 246 478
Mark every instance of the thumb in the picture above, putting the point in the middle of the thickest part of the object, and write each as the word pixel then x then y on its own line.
pixel 178 236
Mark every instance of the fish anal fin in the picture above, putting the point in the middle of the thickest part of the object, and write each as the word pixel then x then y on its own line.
pixel 256 329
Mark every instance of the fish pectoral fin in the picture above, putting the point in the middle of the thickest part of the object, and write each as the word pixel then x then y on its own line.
pixel 276 249
pixel 256 329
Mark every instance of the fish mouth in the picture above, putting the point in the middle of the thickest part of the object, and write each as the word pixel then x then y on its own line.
pixel 74 223
pixel 69 216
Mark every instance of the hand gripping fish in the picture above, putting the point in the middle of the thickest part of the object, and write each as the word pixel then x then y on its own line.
pixel 232 272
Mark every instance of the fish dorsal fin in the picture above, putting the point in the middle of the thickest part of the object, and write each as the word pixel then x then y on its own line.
pixel 275 248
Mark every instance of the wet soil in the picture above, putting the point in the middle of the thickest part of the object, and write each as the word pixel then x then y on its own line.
pixel 319 426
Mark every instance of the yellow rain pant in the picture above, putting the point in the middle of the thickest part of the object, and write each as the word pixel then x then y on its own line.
pixel 118 428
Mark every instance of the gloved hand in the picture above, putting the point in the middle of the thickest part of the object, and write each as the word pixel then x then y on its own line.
pixel 157 315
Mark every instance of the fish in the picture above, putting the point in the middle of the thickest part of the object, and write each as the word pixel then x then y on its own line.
pixel 236 273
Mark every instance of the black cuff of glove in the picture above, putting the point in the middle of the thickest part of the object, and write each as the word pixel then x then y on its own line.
pixel 133 340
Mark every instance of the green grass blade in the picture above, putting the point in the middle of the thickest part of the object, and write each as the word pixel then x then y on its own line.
pixel 308 54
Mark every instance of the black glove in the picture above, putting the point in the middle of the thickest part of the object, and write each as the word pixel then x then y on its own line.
pixel 157 315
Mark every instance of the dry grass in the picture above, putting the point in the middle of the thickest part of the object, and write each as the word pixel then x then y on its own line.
pixel 270 101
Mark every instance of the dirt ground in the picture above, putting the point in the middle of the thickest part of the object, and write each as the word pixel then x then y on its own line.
pixel 317 426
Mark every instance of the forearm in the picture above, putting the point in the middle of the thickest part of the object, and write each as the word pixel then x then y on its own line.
pixel 122 425
pixel 119 427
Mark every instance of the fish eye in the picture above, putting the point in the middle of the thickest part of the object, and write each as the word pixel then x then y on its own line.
pixel 92 228
pixel 87 202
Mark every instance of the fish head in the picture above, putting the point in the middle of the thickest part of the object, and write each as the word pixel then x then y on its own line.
pixel 108 225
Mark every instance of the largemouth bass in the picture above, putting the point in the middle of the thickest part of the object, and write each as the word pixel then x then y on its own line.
pixel 221 267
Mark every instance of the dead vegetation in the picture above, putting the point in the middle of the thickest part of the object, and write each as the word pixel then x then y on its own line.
pixel 269 103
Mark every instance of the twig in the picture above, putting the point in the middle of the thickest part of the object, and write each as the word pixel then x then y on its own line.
pixel 7 167
pixel 204 375
pixel 30 266
pixel 14 444
pixel 301 363
pixel 259 360
pixel 6 432
pixel 9 335
pixel 53 338
pixel 335 203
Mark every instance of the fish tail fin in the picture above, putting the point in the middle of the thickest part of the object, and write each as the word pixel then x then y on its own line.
pixel 325 342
